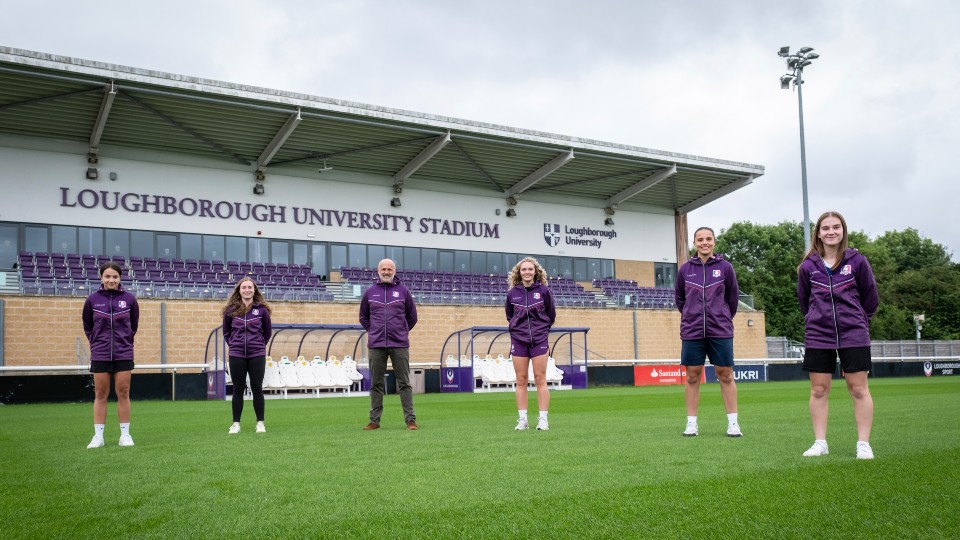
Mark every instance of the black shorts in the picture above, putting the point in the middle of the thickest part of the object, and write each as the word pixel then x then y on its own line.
pixel 852 360
pixel 106 366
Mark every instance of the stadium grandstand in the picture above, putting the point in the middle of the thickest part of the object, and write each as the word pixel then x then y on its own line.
pixel 190 183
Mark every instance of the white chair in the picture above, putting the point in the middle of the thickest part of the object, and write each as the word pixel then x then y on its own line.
pixel 338 374
pixel 305 373
pixel 322 375
pixel 271 377
pixel 288 373
pixel 350 365
pixel 554 374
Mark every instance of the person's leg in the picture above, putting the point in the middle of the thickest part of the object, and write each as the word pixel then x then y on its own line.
pixel 378 370
pixel 401 368
pixel 819 403
pixel 121 384
pixel 257 367
pixel 728 387
pixel 101 391
pixel 540 378
pixel 521 366
pixel 238 374
pixel 862 403
pixel 692 389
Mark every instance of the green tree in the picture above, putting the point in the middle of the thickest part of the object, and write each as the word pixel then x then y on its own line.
pixel 910 251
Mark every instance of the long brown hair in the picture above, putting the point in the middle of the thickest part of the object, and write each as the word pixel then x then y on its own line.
pixel 539 273
pixel 235 302
pixel 816 244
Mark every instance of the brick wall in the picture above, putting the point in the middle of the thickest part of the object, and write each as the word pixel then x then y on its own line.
pixel 44 330
pixel 639 271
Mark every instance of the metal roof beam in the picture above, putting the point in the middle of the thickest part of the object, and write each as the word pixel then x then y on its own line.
pixel 321 155
pixel 37 101
pixel 722 192
pixel 281 137
pixel 540 174
pixel 476 165
pixel 421 159
pixel 185 129
pixel 109 94
pixel 642 185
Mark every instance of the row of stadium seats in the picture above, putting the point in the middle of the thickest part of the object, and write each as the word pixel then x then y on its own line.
pixel 499 371
pixel 93 262
pixel 312 377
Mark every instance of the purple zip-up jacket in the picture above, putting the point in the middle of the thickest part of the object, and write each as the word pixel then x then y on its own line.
pixel 110 320
pixel 531 312
pixel 247 335
pixel 388 313
pixel 837 308
pixel 707 296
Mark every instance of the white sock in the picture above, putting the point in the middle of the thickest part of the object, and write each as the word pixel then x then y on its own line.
pixel 860 442
pixel 98 429
pixel 691 419
pixel 822 441
pixel 732 418
pixel 124 428
pixel 523 414
pixel 543 415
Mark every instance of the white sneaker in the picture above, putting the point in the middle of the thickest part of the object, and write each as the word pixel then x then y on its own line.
pixel 691 430
pixel 95 442
pixel 126 440
pixel 733 430
pixel 234 428
pixel 542 424
pixel 864 451
pixel 818 449
pixel 261 428
pixel 522 424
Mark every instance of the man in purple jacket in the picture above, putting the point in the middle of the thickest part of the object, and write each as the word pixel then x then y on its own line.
pixel 388 313
pixel 707 295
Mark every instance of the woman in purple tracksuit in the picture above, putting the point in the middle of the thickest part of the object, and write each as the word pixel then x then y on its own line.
pixel 838 296
pixel 707 295
pixel 246 329
pixel 110 319
pixel 531 313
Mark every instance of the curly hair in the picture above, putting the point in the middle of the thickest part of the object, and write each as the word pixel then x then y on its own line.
pixel 235 305
pixel 539 273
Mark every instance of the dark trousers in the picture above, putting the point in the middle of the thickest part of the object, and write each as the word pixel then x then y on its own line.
pixel 400 356
pixel 239 369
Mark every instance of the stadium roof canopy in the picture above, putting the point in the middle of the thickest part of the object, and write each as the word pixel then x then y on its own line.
pixel 108 107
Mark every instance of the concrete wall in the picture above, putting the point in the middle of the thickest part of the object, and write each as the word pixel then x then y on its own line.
pixel 44 330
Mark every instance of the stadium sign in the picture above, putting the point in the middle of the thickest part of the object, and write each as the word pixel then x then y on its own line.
pixel 658 375
pixel 576 236
pixel 741 373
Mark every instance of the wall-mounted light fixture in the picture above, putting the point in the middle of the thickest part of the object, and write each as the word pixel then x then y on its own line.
pixel 258 189
pixel 608 222
pixel 511 212
pixel 92 173
pixel 749 322
pixel 395 202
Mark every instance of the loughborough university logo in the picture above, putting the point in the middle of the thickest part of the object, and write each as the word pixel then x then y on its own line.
pixel 551 234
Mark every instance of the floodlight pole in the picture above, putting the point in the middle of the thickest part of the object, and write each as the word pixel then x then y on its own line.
pixel 796 63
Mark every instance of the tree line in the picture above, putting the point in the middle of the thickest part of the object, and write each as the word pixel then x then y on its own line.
pixel 914 276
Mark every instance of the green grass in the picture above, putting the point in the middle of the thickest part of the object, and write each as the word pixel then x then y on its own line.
pixel 613 465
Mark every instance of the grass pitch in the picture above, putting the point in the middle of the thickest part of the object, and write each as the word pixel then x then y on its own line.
pixel 613 465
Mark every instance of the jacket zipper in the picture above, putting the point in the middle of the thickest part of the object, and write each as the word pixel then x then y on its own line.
pixel 526 306
pixel 704 292
pixel 113 336
pixel 833 304
pixel 246 353
pixel 386 317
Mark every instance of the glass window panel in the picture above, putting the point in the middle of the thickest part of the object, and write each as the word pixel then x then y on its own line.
pixel 190 247
pixel 35 239
pixel 375 254
pixel 338 257
pixel 213 248
pixel 8 245
pixel 478 262
pixel 166 246
pixel 494 263
pixel 358 256
pixel 300 253
pixel 411 258
pixel 551 265
pixel 318 258
pixel 428 259
pixel 118 242
pixel 236 249
pixel 63 239
pixel 396 255
pixel 141 244
pixel 461 261
pixel 279 252
pixel 445 262
pixel 606 268
pixel 566 267
pixel 580 270
pixel 91 241
pixel 258 250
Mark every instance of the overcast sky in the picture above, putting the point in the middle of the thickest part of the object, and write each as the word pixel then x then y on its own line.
pixel 881 108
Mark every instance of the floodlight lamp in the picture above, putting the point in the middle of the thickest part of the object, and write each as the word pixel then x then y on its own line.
pixel 792 63
pixel 784 51
pixel 785 82
pixel 92 173
pixel 805 50
pixel 805 64
pixel 813 56
pixel 608 222
pixel 511 212
pixel 395 202
pixel 258 189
